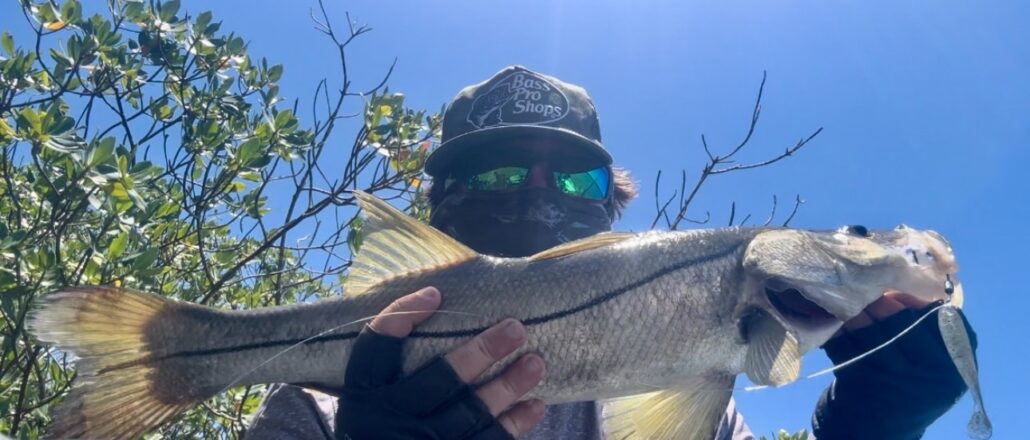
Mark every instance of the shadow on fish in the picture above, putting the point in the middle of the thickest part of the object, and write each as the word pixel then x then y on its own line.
pixel 717 303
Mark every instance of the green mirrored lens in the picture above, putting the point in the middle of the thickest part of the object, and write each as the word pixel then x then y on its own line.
pixel 591 184
pixel 498 179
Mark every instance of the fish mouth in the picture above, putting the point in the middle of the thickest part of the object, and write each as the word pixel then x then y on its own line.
pixel 794 305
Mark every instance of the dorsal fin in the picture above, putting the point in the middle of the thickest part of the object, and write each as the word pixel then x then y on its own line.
pixel 395 243
pixel 584 244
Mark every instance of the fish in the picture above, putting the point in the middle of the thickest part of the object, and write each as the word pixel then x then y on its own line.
pixel 487 109
pixel 658 324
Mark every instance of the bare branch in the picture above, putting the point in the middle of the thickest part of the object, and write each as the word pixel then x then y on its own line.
pixel 717 165
pixel 772 214
pixel 797 204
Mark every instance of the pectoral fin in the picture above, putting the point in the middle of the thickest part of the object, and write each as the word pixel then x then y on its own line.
pixel 691 411
pixel 773 354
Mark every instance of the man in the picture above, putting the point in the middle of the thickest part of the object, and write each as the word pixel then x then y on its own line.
pixel 521 169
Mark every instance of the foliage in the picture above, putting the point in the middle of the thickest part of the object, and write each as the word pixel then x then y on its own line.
pixel 142 146
pixel 784 435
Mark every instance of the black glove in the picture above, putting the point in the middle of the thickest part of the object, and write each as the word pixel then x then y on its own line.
pixel 431 403
pixel 895 393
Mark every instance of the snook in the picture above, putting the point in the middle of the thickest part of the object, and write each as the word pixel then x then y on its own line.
pixel 673 314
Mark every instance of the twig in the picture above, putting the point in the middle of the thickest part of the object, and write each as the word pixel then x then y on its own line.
pixel 797 204
pixel 724 164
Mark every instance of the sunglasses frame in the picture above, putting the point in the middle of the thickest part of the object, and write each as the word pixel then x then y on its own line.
pixel 552 181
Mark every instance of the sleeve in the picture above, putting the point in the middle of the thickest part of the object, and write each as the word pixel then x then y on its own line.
pixel 292 412
pixel 894 393
pixel 732 426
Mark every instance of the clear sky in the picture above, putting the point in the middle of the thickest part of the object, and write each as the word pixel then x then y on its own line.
pixel 926 109
pixel 925 104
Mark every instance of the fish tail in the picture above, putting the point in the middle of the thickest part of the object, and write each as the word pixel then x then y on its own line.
pixel 114 394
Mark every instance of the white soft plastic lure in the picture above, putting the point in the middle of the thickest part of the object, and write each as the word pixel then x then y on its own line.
pixel 957 341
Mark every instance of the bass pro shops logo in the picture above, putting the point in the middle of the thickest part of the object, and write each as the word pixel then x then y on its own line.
pixel 520 98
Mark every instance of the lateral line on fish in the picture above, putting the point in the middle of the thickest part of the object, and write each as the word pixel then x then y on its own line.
pixel 356 321
pixel 608 296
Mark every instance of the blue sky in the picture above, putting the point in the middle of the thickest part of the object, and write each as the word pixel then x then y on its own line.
pixel 925 107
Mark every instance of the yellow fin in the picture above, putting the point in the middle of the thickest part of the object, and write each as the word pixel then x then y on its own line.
pixel 395 243
pixel 773 354
pixel 104 327
pixel 691 411
pixel 584 244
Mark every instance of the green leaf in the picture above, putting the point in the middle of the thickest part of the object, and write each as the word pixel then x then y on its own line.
pixel 7 41
pixel 29 123
pixel 61 124
pixel 14 239
pixel 7 298
pixel 354 236
pixel 46 13
pixel 137 199
pixel 145 259
pixel 252 176
pixel 7 280
pixel 71 12
pixel 103 152
pixel 117 246
pixel 169 208
pixel 168 10
pixel 202 21
pixel 225 257
pixel 249 151
pixel 133 11
pixel 275 72
pixel 285 119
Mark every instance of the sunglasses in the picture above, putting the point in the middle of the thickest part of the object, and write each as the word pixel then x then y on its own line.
pixel 592 184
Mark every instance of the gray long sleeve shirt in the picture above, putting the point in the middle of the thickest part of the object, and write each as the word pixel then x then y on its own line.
pixel 291 412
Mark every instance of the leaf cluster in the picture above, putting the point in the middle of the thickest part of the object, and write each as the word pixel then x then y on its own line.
pixel 143 146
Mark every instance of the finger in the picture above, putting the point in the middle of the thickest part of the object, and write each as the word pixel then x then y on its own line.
pixel 402 315
pixel 510 386
pixel 473 357
pixel 522 417
pixel 375 360
pixel 862 320
pixel 884 307
pixel 910 301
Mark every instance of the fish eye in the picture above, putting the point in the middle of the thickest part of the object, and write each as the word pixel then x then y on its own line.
pixel 859 230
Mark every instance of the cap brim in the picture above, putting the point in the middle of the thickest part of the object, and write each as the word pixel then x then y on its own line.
pixel 444 155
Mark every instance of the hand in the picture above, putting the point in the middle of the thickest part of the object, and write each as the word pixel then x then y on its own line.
pixel 436 401
pixel 888 305
pixel 898 391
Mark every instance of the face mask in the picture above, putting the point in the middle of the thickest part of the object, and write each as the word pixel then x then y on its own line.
pixel 518 223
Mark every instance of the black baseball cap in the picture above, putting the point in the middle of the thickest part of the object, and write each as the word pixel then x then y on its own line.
pixel 517 103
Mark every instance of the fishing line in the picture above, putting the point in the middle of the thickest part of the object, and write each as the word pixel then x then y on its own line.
pixel 333 329
pixel 861 356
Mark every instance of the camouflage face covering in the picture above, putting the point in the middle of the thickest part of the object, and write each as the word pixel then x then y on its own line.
pixel 518 223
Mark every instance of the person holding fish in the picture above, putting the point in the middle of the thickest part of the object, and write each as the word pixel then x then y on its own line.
pixel 523 295
pixel 522 169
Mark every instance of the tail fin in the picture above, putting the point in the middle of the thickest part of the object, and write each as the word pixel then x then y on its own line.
pixel 113 396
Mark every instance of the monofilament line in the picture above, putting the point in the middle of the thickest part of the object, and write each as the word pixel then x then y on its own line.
pixel 333 329
pixel 863 355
